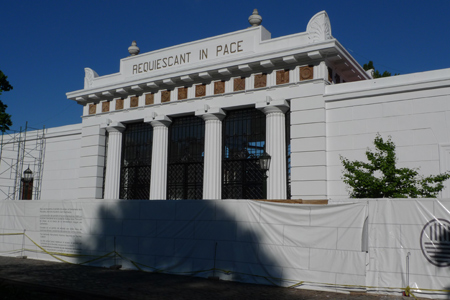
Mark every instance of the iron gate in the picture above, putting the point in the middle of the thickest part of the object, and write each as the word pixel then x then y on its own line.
pixel 185 161
pixel 244 138
pixel 137 141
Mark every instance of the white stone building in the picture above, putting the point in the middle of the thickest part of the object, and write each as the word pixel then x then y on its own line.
pixel 190 121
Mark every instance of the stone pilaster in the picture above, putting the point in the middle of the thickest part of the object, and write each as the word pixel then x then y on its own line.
pixel 112 176
pixel 321 71
pixel 158 182
pixel 212 169
pixel 276 146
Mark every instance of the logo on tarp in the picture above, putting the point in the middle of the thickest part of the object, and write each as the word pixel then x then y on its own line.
pixel 435 242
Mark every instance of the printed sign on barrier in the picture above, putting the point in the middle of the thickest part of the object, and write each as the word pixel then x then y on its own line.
pixel 435 242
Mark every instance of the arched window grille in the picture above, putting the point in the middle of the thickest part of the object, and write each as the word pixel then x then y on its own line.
pixel 244 138
pixel 185 161
pixel 136 161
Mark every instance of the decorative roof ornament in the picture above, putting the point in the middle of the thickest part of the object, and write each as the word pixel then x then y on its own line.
pixel 255 19
pixel 319 28
pixel 133 49
pixel 89 77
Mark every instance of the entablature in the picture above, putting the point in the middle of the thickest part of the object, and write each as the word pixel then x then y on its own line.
pixel 244 53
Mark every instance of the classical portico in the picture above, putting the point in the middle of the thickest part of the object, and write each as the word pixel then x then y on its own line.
pixel 214 107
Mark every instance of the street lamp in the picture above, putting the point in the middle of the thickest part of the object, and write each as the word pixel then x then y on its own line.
pixel 27 175
pixel 264 164
pixel 27 184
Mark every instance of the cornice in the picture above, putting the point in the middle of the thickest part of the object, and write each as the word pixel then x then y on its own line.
pixel 388 86
pixel 242 66
pixel 254 52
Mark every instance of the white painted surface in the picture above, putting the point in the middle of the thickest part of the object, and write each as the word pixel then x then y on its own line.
pixel 412 109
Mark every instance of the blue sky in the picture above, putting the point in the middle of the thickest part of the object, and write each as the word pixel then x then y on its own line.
pixel 45 45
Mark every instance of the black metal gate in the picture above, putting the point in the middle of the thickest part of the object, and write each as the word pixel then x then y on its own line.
pixel 185 161
pixel 288 153
pixel 137 141
pixel 244 138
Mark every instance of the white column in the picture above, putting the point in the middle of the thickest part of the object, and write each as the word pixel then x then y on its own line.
pixel 276 146
pixel 212 168
pixel 158 182
pixel 112 176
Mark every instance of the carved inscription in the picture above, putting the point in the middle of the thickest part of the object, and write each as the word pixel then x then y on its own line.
pixel 200 90
pixel 186 57
pixel 134 101
pixel 306 73
pixel 239 84
pixel 119 104
pixel 105 106
pixel 219 87
pixel 260 80
pixel 161 63
pixel 61 229
pixel 225 49
pixel 182 93
pixel 282 76
pixel 165 96
pixel 149 98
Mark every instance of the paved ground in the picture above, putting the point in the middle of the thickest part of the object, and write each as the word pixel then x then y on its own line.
pixel 36 279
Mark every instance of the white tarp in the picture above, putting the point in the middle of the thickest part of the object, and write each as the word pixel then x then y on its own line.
pixel 409 238
pixel 313 246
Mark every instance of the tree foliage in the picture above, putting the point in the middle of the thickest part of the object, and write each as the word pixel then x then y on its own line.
pixel 376 73
pixel 380 178
pixel 5 119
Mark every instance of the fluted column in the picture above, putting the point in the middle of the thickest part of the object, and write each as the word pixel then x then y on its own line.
pixel 158 181
pixel 276 147
pixel 112 174
pixel 212 168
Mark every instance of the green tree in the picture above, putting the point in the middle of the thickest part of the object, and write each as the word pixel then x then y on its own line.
pixel 380 178
pixel 5 119
pixel 376 73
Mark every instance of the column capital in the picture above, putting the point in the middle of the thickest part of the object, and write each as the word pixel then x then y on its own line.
pixel 114 127
pixel 158 121
pixel 273 106
pixel 213 113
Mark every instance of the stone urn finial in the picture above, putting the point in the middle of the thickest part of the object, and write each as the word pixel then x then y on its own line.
pixel 255 19
pixel 133 49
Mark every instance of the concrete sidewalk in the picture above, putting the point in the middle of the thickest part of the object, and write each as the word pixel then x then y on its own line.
pixel 50 280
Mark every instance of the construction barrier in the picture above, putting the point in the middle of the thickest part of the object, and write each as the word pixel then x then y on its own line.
pixel 370 245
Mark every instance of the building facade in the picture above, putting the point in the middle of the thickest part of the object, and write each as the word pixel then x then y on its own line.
pixel 191 121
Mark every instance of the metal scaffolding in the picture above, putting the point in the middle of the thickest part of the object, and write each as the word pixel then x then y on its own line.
pixel 20 150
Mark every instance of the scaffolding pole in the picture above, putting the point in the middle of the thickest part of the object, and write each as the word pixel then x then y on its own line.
pixel 18 149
